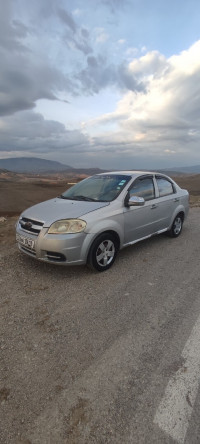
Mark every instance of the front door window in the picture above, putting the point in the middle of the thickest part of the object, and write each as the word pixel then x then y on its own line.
pixel 143 188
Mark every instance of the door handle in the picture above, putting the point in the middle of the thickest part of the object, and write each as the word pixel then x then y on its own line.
pixel 153 206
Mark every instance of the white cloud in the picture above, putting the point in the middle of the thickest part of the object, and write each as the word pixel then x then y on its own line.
pixel 149 64
pixel 121 41
pixel 164 118
pixel 77 12
pixel 102 38
pixel 101 35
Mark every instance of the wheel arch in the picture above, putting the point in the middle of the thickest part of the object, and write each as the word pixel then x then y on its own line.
pixel 172 232
pixel 179 211
pixel 182 215
pixel 109 232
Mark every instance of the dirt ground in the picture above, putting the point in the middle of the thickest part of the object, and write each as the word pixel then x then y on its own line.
pixel 17 194
pixel 65 336
pixel 85 359
pixel 192 184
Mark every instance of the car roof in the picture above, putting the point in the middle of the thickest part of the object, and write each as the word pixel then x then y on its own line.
pixel 133 173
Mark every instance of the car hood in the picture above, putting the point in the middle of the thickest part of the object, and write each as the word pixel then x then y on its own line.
pixel 55 209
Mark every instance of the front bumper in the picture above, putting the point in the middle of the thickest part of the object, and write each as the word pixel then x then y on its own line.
pixel 63 249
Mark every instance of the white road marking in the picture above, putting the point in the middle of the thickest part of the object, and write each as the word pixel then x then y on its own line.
pixel 174 412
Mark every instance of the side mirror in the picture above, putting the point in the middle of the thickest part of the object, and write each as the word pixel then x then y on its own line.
pixel 135 201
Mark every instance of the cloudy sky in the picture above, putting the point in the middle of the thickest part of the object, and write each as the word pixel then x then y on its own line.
pixel 107 83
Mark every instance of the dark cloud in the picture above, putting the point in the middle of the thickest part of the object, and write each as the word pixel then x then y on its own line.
pixel 11 31
pixel 115 5
pixel 96 75
pixel 82 45
pixel 10 105
pixel 29 131
pixel 67 19
pixel 25 76
pixel 92 62
pixel 127 80
pixel 29 73
pixel 99 74
pixel 85 33
pixel 75 37
pixel 23 82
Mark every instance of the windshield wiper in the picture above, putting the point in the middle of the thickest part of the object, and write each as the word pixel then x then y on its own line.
pixel 63 197
pixel 89 199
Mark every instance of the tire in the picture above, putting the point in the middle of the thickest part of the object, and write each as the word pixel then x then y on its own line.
pixel 103 252
pixel 176 227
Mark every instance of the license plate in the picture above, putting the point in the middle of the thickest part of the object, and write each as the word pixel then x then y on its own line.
pixel 29 243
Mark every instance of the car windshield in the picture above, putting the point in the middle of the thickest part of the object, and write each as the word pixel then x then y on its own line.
pixel 101 188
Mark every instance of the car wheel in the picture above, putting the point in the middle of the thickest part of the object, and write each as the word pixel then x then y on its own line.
pixel 103 252
pixel 176 227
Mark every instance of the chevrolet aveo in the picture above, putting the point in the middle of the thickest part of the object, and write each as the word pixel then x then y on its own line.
pixel 94 219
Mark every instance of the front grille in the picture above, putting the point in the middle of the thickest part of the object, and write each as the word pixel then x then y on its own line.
pixel 28 250
pixel 30 225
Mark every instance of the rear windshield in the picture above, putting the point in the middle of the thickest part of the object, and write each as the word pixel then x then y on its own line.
pixel 103 188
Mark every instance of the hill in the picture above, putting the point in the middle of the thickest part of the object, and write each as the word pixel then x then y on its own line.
pixel 32 165
pixel 195 169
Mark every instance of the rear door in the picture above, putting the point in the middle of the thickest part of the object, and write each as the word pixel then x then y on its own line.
pixel 167 201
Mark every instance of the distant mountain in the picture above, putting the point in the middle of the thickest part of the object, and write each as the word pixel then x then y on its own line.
pixel 35 165
pixel 89 171
pixel 32 165
pixel 195 169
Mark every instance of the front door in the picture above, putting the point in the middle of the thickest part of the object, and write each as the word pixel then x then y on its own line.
pixel 140 222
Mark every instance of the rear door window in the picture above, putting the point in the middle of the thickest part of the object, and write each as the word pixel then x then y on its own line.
pixel 165 187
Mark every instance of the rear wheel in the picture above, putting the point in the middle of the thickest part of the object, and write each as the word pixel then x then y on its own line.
pixel 103 252
pixel 176 227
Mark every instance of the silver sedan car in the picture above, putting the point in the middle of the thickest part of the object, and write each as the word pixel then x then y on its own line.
pixel 94 219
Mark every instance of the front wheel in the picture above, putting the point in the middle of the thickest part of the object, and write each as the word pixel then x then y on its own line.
pixel 103 252
pixel 176 227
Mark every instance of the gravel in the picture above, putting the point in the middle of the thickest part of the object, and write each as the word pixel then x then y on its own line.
pixel 85 356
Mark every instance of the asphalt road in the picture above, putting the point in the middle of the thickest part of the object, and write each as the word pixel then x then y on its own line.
pixel 103 358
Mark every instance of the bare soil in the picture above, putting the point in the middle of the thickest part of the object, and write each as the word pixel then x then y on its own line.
pixel 83 359
pixel 16 196
pixel 192 184
pixel 20 192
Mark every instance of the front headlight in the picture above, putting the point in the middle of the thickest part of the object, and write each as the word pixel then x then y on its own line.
pixel 67 226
